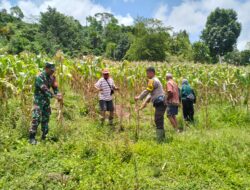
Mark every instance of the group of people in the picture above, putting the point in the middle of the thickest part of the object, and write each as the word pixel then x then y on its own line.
pixel 168 101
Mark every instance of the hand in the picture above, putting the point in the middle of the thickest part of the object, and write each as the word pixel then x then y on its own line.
pixel 99 89
pixel 116 88
pixel 59 97
pixel 136 98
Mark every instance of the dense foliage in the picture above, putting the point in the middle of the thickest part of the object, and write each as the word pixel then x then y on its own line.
pixel 221 31
pixel 101 35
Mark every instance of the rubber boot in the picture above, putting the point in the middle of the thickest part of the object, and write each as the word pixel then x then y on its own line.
pixel 32 139
pixel 160 135
pixel 44 134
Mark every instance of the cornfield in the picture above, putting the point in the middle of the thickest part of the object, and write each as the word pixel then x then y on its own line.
pixel 215 84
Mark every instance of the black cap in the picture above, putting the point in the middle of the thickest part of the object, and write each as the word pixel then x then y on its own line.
pixel 150 69
pixel 50 66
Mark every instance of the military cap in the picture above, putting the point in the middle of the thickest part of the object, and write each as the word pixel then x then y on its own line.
pixel 50 66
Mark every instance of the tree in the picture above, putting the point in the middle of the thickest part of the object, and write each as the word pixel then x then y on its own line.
pixel 149 41
pixel 110 50
pixel 64 31
pixel 233 57
pixel 238 58
pixel 151 47
pixel 245 57
pixel 16 12
pixel 180 45
pixel 221 31
pixel 93 34
pixel 122 47
pixel 201 53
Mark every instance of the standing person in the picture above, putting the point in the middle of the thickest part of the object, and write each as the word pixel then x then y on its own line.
pixel 41 110
pixel 188 99
pixel 155 89
pixel 106 88
pixel 172 101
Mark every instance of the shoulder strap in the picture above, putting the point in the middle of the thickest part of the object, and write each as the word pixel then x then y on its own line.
pixel 108 84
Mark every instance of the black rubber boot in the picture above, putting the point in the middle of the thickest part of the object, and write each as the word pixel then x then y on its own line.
pixel 43 137
pixel 44 134
pixel 32 139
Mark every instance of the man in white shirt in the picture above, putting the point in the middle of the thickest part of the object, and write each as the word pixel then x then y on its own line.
pixel 106 88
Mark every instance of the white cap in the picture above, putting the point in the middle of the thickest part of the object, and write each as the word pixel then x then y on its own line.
pixel 169 75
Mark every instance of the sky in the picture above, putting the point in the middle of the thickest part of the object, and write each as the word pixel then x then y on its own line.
pixel 190 15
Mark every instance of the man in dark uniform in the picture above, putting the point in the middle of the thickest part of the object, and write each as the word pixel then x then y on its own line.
pixel 42 95
pixel 157 96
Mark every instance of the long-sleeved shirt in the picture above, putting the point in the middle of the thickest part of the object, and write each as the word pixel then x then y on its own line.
pixel 186 90
pixel 154 88
pixel 43 83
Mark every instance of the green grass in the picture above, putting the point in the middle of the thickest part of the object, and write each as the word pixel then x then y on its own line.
pixel 83 155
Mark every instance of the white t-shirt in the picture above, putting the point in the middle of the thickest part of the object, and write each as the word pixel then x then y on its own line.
pixel 102 84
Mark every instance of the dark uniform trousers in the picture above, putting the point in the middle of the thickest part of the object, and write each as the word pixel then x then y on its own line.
pixel 159 116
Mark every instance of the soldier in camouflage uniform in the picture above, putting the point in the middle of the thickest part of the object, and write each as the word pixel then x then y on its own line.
pixel 41 110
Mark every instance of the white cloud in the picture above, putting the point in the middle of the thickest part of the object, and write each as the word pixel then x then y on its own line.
pixel 4 4
pixel 127 20
pixel 79 9
pixel 192 15
pixel 161 13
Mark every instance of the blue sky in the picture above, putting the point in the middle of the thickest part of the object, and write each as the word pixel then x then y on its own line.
pixel 190 15
pixel 136 7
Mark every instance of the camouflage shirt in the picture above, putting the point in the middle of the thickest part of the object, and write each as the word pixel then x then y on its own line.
pixel 43 83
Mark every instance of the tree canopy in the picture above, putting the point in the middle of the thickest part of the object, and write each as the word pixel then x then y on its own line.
pixel 102 35
pixel 221 31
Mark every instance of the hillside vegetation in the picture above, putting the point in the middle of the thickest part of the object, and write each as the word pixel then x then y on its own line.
pixel 147 39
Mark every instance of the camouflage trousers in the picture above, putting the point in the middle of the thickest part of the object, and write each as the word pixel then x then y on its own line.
pixel 40 114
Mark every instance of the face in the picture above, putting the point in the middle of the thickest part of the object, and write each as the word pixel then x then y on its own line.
pixel 150 74
pixel 49 71
pixel 106 75
pixel 168 78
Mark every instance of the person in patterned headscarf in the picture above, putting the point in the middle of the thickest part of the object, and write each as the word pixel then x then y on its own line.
pixel 188 100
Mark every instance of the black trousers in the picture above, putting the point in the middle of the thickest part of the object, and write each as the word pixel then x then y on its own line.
pixel 159 116
pixel 188 110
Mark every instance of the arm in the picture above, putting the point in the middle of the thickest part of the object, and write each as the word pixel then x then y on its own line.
pixel 98 85
pixel 39 83
pixel 143 95
pixel 169 91
pixel 147 91
pixel 145 102
pixel 55 86
pixel 57 94
pixel 114 86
